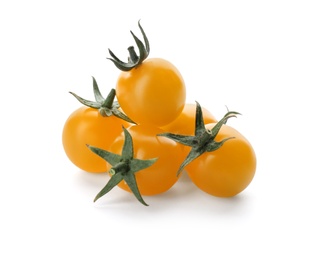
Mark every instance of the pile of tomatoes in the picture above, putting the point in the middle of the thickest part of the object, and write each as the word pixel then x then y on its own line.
pixel 145 135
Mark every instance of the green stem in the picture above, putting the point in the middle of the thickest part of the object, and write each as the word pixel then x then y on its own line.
pixel 121 167
pixel 204 138
pixel 132 54
pixel 134 59
pixel 108 103
pixel 124 167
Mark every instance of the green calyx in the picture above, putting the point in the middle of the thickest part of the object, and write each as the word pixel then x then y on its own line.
pixel 203 140
pixel 133 60
pixel 124 167
pixel 106 106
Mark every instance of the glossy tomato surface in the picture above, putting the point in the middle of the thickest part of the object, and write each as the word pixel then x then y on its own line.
pixel 227 171
pixel 162 175
pixel 152 93
pixel 87 126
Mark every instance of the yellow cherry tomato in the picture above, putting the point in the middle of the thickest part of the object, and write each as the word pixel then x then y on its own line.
pixel 87 126
pixel 228 170
pixel 152 93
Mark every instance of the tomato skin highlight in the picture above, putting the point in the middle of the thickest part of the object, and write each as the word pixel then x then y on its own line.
pixel 152 93
pixel 87 126
pixel 227 171
pixel 162 175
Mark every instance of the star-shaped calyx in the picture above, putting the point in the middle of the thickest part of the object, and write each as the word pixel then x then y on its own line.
pixel 106 106
pixel 203 140
pixel 133 60
pixel 124 167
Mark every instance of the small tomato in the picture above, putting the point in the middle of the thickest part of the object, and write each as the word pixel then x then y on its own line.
pixel 140 162
pixel 221 161
pixel 97 123
pixel 87 126
pixel 228 170
pixel 150 91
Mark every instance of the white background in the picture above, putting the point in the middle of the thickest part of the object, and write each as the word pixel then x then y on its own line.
pixel 253 56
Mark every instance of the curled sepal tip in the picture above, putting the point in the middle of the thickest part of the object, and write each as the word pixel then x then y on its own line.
pixel 106 106
pixel 133 60
pixel 124 167
pixel 203 140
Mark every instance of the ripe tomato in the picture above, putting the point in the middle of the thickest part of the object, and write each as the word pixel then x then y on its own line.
pixel 152 93
pixel 184 124
pixel 228 170
pixel 160 176
pixel 87 126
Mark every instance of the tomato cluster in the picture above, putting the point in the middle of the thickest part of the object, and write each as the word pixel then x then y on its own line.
pixel 144 134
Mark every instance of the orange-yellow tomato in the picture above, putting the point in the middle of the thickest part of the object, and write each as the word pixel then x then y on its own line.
pixel 87 126
pixel 151 93
pixel 162 175
pixel 227 171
